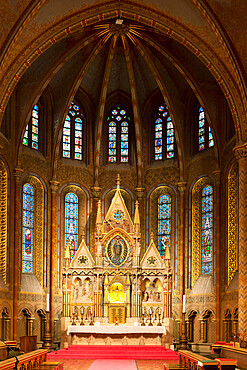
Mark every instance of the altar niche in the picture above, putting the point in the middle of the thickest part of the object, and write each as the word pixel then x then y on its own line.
pixel 116 285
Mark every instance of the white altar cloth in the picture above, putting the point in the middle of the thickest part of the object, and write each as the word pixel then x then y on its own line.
pixel 114 329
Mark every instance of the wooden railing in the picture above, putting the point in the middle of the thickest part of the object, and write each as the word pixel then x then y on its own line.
pixel 27 361
pixel 195 362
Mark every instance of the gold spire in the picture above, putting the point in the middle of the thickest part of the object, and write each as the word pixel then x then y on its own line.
pixel 137 217
pixel 167 252
pixel 98 217
pixel 151 237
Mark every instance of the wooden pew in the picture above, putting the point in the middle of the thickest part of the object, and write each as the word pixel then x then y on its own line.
pixel 174 366
pixel 27 361
pixel 194 361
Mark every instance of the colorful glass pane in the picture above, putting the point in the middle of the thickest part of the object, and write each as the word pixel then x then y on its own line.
pixel 210 138
pixel 71 223
pixel 73 133
pixel 163 128
pixel 35 127
pixel 27 228
pixel 118 136
pixel 207 229
pixel 201 131
pixel 164 223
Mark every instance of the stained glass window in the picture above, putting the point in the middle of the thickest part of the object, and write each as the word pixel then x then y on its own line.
pixel 33 139
pixel 163 134
pixel 164 223
pixel 118 136
pixel 28 228
pixel 207 229
pixel 73 133
pixel 71 222
pixel 205 136
pixel 201 134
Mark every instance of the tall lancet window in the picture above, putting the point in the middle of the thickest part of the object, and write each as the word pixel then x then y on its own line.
pixel 28 228
pixel 207 229
pixel 73 130
pixel 71 222
pixel 205 136
pixel 164 223
pixel 31 135
pixel 163 134
pixel 118 136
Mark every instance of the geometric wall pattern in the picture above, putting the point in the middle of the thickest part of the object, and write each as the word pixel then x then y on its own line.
pixel 233 225
pixel 3 219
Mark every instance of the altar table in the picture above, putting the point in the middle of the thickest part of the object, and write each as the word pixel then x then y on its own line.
pixel 117 335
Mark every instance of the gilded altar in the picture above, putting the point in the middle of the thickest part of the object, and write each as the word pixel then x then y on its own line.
pixel 116 285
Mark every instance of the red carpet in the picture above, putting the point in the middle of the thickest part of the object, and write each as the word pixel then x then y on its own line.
pixel 115 352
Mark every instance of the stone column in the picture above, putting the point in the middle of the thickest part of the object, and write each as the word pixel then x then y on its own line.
pixel 225 329
pixel 53 241
pixel 218 250
pixel 30 321
pixel 203 331
pixel 182 188
pixel 235 327
pixel 241 154
pixel 17 176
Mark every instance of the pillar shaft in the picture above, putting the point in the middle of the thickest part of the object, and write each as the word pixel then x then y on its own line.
pixel 54 186
pixel 218 251
pixel 241 153
pixel 182 187
pixel 17 175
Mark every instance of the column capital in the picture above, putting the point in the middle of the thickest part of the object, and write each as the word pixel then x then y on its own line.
pixel 18 172
pixel 182 186
pixel 96 190
pixel 217 174
pixel 240 151
pixel 54 186
pixel 140 192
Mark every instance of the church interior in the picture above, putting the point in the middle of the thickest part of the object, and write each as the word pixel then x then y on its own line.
pixel 123 171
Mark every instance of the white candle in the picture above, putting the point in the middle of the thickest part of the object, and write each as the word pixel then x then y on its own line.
pixel 73 309
pixel 150 311
pixel 143 311
pixel 47 302
pixel 184 303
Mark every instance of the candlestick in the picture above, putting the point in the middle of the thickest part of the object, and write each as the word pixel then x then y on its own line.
pixel 184 303
pixel 47 302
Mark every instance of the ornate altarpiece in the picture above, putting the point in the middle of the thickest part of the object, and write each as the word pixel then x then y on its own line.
pixel 115 285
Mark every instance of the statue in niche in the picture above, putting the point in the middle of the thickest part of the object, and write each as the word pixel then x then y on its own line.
pixel 152 292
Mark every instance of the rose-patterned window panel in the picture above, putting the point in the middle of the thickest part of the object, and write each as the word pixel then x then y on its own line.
pixel 163 134
pixel 73 129
pixel 205 136
pixel 164 223
pixel 71 222
pixel 28 229
pixel 118 136
pixel 207 229
pixel 33 139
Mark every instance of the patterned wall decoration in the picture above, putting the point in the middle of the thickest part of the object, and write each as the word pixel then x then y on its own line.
pixel 196 228
pixel 39 226
pixel 3 220
pixel 233 207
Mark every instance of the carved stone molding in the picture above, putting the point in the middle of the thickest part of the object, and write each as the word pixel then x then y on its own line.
pixel 54 186
pixel 18 172
pixel 217 175
pixel 96 190
pixel 182 186
pixel 240 151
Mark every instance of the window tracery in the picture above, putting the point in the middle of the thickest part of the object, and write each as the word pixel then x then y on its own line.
pixel 73 131
pixel 71 222
pixel 164 140
pixel 28 228
pixel 31 135
pixel 205 136
pixel 118 135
